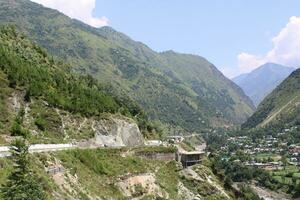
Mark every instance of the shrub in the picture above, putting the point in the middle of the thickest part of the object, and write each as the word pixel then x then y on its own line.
pixel 17 130
pixel 40 123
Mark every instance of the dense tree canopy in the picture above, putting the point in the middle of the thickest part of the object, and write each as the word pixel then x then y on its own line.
pixel 28 67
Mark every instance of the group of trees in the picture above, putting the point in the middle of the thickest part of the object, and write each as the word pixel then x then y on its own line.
pixel 29 68
pixel 231 172
pixel 238 172
pixel 215 140
pixel 22 183
pixel 40 78
pixel 246 193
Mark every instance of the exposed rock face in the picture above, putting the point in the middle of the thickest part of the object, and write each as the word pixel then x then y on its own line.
pixel 111 131
pixel 138 186
pixel 186 193
pixel 203 178
pixel 117 132
pixel 14 102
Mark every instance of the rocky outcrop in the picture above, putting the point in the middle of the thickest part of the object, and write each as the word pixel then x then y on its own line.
pixel 108 130
pixel 117 132
pixel 138 186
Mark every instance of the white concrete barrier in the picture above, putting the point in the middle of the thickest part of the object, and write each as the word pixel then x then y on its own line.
pixel 5 151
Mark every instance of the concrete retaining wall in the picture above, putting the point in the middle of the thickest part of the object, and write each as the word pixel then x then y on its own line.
pixel 158 156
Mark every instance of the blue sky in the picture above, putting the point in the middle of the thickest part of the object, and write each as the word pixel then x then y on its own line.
pixel 217 30
pixel 235 35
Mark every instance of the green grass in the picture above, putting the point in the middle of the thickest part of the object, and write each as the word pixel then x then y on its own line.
pixel 5 169
pixel 284 180
pixel 285 176
pixel 6 166
pixel 288 169
pixel 280 104
pixel 297 175
pixel 5 92
pixel 275 157
pixel 99 170
pixel 187 146
pixel 2 140
pixel 168 177
pixel 104 162
pixel 155 149
pixel 207 191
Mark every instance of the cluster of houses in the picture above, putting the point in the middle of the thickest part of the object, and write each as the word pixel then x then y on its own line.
pixel 267 145
pixel 273 165
pixel 166 142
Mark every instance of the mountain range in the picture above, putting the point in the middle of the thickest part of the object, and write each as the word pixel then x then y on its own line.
pixel 42 100
pixel 87 112
pixel 281 107
pixel 44 103
pixel 263 80
pixel 181 91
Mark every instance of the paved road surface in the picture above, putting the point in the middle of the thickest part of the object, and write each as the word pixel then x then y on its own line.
pixel 4 150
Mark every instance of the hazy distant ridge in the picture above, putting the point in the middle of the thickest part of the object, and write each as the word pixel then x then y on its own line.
pixel 261 81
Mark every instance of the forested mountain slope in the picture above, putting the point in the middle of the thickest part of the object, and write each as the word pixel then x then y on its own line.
pixel 179 90
pixel 214 91
pixel 261 81
pixel 281 107
pixel 41 100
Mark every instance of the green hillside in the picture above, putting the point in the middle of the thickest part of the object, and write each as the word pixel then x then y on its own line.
pixel 213 90
pixel 281 107
pixel 33 82
pixel 179 90
pixel 108 174
pixel 260 82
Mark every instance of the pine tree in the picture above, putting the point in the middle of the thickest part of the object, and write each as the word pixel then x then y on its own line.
pixel 22 183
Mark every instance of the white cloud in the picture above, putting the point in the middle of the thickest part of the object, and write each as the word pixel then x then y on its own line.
pixel 285 51
pixel 248 62
pixel 79 9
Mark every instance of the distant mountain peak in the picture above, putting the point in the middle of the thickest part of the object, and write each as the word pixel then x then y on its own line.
pixel 272 64
pixel 273 67
pixel 280 108
pixel 258 83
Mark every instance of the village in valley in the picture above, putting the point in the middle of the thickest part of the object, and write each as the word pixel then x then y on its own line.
pixel 273 152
